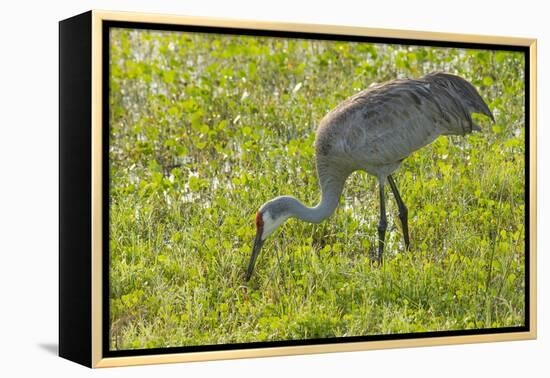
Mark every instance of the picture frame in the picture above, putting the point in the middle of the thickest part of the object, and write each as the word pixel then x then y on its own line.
pixel 85 259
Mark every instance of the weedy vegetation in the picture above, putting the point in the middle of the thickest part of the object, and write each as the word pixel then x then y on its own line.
pixel 204 128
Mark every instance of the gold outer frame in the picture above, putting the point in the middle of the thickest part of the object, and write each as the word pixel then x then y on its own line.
pixel 97 150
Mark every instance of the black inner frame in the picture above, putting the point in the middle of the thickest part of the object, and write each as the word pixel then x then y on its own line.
pixel 106 25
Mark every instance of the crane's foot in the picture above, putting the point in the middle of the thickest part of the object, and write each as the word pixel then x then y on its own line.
pixel 375 257
pixel 379 257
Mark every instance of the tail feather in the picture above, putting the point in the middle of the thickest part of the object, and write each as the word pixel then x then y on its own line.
pixel 470 98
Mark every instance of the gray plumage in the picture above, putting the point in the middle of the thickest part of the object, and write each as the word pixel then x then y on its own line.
pixel 375 130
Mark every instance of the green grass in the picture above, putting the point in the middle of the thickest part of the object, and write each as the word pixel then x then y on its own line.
pixel 204 130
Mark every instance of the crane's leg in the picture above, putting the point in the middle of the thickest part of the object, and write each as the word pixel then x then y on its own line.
pixel 382 224
pixel 403 212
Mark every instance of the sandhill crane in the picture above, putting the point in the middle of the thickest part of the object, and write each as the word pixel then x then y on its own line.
pixel 375 130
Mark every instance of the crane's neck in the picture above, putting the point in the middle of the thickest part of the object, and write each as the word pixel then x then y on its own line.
pixel 331 190
pixel 278 210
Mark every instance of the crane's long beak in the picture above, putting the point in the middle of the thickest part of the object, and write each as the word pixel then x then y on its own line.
pixel 258 242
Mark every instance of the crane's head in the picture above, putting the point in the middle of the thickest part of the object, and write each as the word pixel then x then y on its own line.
pixel 270 216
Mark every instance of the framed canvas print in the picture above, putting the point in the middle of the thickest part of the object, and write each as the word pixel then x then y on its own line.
pixel 235 189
